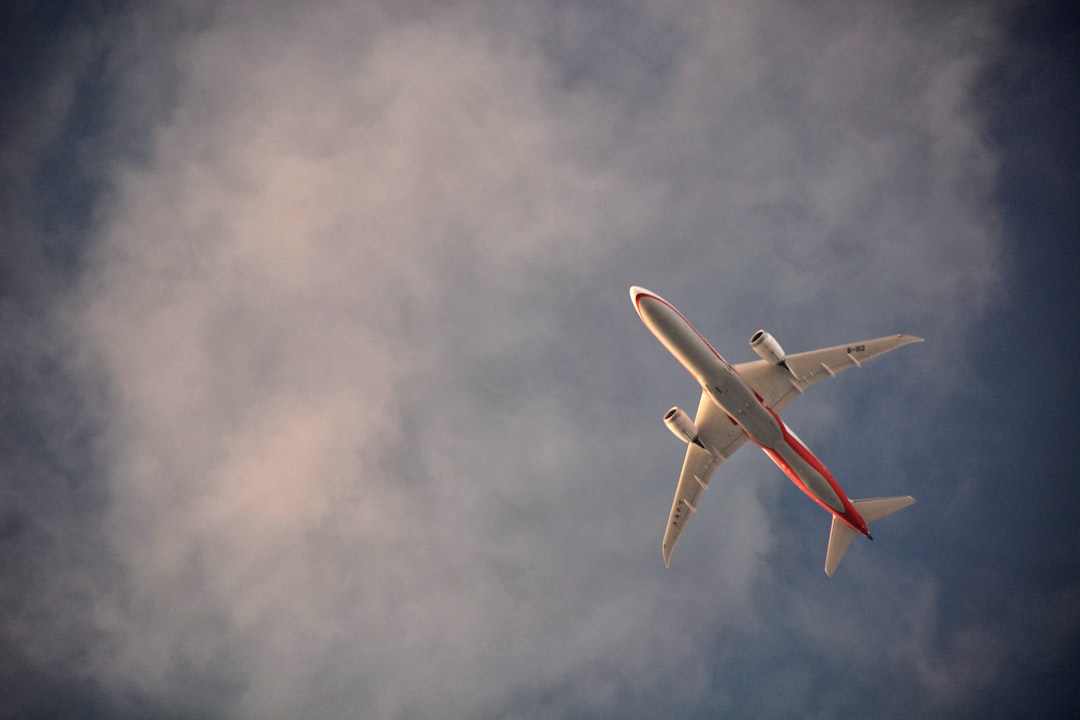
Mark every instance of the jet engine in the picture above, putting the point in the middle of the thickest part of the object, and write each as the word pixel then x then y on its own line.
pixel 767 348
pixel 680 424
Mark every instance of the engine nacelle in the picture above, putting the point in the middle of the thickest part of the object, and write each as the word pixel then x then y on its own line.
pixel 683 428
pixel 767 348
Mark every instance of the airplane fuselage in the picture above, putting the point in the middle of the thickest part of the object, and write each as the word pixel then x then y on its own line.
pixel 726 388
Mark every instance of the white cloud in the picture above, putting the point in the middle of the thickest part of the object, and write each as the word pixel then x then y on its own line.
pixel 362 458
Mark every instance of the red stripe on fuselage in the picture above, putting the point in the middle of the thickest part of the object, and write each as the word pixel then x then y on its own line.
pixel 850 515
pixel 665 303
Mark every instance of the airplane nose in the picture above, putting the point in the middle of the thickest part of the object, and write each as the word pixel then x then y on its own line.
pixel 636 294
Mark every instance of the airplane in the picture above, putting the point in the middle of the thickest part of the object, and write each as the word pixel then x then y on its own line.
pixel 740 402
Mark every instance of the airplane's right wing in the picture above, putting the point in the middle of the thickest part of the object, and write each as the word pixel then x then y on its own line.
pixel 722 437
pixel 777 385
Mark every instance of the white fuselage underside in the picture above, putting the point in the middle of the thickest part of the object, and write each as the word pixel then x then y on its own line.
pixel 731 394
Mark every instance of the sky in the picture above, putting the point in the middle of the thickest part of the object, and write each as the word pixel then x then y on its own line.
pixel 323 395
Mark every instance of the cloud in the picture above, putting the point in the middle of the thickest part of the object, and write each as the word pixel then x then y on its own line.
pixel 366 381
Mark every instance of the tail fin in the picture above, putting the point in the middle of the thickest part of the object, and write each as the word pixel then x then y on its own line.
pixel 841 534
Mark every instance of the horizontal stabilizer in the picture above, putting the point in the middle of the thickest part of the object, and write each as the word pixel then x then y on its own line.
pixel 876 508
pixel 841 534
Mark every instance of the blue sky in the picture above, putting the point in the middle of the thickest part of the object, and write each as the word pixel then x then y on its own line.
pixel 323 394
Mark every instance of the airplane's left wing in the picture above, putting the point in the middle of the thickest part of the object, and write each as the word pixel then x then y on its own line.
pixel 722 437
pixel 778 385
